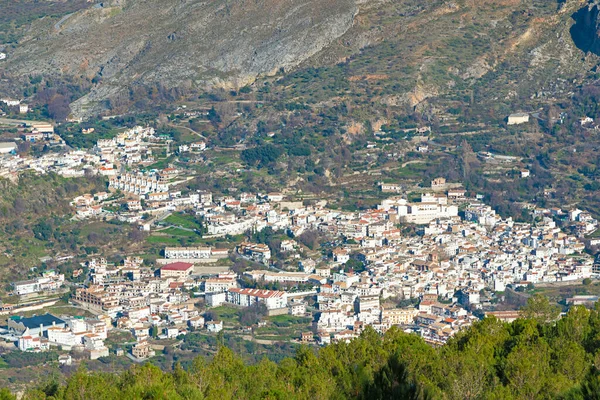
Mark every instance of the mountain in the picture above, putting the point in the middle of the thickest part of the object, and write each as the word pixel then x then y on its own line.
pixel 424 49
pixel 179 43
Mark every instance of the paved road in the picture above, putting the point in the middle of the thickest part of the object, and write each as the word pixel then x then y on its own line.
pixel 134 359
pixel 163 216
pixel 260 341
pixel 186 128
pixel 62 20
pixel 9 121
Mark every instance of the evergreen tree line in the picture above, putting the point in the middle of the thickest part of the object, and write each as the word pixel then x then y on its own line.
pixel 537 357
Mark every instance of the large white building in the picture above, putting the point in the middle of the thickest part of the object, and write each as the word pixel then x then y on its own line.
pixel 221 283
pixel 40 284
pixel 283 277
pixel 430 208
pixel 63 336
pixel 139 183
pixel 236 227
pixel 176 270
pixel 188 252
pixel 272 299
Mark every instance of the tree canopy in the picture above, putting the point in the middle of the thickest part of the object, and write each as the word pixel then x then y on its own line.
pixel 527 359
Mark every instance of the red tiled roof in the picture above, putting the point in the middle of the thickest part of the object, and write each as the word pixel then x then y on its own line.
pixel 177 266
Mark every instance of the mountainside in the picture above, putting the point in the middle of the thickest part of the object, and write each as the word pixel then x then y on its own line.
pixel 421 49
pixel 180 43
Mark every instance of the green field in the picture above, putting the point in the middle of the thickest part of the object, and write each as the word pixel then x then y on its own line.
pixel 183 220
pixel 178 232
pixel 162 240
pixel 227 314
pixel 287 320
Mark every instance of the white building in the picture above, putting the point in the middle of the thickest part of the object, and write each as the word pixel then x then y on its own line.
pixel 430 208
pixel 215 299
pixel 214 326
pixel 63 336
pixel 7 147
pixel 220 284
pixel 33 343
pixel 188 253
pixel 273 299
pixel 518 118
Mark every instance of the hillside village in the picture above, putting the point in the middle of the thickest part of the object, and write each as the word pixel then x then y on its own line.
pixel 339 204
pixel 130 148
pixel 460 257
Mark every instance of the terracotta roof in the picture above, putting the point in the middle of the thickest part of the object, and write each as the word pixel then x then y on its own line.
pixel 177 266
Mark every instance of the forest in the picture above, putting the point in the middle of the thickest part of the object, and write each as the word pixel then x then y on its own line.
pixel 539 356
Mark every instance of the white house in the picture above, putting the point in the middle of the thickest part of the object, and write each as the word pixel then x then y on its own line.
pixel 275 197
pixel 518 118
pixel 33 343
pixel 196 322
pixel 214 326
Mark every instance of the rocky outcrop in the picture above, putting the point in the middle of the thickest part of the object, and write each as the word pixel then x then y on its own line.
pixel 210 43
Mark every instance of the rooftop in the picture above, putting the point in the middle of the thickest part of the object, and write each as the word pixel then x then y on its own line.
pixel 178 266
pixel 35 322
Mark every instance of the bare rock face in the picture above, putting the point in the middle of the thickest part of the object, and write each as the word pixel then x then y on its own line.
pixel 173 42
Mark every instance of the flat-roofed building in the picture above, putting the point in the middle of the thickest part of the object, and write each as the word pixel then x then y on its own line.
pixel 399 316
pixel 34 326
pixel 188 252
pixel 273 299
pixel 518 118
pixel 7 147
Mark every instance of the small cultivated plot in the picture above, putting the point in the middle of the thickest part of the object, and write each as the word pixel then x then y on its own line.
pixel 560 293
pixel 595 234
pixel 161 164
pixel 178 232
pixel 174 236
pixel 225 157
pixel 288 320
pixel 118 338
pixel 182 220
pixel 283 327
pixel 58 309
pixel 280 334
pixel 67 309
pixel 229 315
pixel 163 240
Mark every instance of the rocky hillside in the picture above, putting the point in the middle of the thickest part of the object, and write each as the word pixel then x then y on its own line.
pixel 395 52
pixel 179 42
